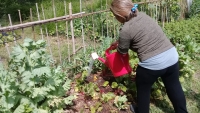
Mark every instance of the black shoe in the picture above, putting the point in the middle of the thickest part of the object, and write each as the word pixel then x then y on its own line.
pixel 133 108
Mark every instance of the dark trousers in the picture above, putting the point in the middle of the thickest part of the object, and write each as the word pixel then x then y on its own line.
pixel 170 77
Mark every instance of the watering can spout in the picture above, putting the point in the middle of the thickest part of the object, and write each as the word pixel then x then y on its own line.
pixel 95 56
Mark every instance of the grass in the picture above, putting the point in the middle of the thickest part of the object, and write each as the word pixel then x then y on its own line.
pixel 193 91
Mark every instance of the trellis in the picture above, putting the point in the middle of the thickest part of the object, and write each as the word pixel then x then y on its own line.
pixel 160 14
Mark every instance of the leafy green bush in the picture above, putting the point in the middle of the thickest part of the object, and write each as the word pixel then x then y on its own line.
pixel 12 7
pixel 31 84
pixel 178 30
pixel 195 8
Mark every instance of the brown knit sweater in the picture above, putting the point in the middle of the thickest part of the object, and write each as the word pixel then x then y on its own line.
pixel 144 36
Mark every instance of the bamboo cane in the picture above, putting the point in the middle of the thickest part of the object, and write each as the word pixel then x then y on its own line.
pixel 20 18
pixel 67 34
pixel 82 30
pixel 31 17
pixel 41 31
pixel 11 25
pixel 58 39
pixel 47 35
pixel 102 23
pixel 107 18
pixel 93 27
pixel 72 28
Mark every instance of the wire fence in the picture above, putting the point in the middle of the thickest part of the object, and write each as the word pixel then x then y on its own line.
pixel 66 35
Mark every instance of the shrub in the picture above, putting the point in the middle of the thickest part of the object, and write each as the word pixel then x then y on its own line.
pixel 31 84
pixel 195 8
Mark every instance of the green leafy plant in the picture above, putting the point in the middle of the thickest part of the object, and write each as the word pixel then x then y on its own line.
pixel 88 89
pixel 91 89
pixel 107 96
pixel 195 9
pixel 120 102
pixel 7 37
pixel 31 84
pixel 96 108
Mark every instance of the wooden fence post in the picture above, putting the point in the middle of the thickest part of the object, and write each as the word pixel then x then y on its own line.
pixel 41 31
pixel 31 17
pixel 58 39
pixel 20 18
pixel 67 33
pixel 93 26
pixel 107 18
pixel 82 30
pixel 44 18
pixel 11 25
pixel 102 24
pixel 72 28
pixel 48 41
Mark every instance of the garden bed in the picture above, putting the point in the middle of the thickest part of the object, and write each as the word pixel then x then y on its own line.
pixel 85 103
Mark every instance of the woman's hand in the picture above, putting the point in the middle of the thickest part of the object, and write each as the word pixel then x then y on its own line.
pixel 114 45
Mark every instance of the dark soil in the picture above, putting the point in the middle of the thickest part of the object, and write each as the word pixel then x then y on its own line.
pixel 83 103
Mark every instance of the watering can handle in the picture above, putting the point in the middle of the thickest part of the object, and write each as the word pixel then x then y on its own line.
pixel 108 51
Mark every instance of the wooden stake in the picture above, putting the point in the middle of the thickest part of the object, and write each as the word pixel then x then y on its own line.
pixel 94 42
pixel 37 11
pixel 54 9
pixel 11 25
pixel 72 28
pixel 33 30
pixel 41 31
pixel 67 34
pixel 48 41
pixel 43 12
pixel 107 18
pixel 58 39
pixel 82 30
pixel 20 18
pixel 102 23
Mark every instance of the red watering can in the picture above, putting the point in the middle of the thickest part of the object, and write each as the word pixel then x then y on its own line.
pixel 116 62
